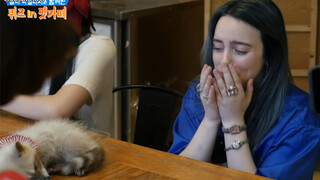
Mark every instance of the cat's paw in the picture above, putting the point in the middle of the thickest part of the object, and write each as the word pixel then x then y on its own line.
pixel 56 168
pixel 80 172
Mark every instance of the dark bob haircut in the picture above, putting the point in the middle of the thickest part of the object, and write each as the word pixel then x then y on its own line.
pixel 32 50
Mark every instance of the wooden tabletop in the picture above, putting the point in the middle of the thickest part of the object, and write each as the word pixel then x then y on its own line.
pixel 129 161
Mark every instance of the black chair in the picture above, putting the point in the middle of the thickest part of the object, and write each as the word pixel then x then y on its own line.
pixel 157 110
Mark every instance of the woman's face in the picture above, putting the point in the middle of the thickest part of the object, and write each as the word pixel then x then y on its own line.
pixel 239 43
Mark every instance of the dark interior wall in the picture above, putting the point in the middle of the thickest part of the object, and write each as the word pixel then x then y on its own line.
pixel 165 48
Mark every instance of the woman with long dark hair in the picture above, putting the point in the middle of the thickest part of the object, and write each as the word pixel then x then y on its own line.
pixel 244 111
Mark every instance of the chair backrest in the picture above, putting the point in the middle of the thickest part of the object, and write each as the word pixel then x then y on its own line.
pixel 155 115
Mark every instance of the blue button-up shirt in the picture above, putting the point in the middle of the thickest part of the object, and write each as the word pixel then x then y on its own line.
pixel 289 151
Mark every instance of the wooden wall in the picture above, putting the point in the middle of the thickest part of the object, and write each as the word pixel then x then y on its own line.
pixel 318 34
pixel 302 25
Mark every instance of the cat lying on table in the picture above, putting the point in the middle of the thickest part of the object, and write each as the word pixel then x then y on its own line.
pixel 58 146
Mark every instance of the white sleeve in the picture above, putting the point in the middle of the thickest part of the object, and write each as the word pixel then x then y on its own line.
pixel 94 65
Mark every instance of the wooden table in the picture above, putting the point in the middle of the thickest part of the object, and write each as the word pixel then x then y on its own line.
pixel 129 161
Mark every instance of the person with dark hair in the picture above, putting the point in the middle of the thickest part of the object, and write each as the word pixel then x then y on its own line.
pixel 31 51
pixel 244 111
pixel 82 91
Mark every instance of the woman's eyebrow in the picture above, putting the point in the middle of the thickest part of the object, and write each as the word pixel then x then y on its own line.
pixel 217 40
pixel 240 43
pixel 233 42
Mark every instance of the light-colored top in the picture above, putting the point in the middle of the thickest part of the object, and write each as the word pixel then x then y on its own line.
pixel 94 71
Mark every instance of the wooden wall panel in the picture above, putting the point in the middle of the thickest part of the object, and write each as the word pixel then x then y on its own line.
pixel 301 82
pixel 295 12
pixel 216 4
pixel 299 46
pixel 318 43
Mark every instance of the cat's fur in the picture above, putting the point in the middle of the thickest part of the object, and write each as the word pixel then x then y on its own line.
pixel 64 147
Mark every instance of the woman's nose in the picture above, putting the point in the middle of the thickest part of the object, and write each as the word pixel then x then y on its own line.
pixel 226 59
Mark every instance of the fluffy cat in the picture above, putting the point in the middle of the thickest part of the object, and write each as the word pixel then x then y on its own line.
pixel 53 146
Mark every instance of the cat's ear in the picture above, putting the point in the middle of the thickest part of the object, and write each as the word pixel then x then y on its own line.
pixel 19 148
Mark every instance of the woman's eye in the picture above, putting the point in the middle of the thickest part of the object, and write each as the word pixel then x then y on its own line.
pixel 217 49
pixel 239 52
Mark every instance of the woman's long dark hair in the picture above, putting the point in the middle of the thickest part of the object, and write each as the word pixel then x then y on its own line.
pixel 271 86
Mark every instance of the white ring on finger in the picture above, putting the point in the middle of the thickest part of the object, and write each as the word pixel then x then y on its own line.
pixel 205 97
pixel 199 89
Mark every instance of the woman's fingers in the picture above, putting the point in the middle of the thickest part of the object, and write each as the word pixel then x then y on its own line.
pixel 206 88
pixel 227 76
pixel 216 88
pixel 235 76
pixel 205 73
pixel 220 83
pixel 229 84
pixel 249 90
pixel 211 93
pixel 202 76
pixel 206 70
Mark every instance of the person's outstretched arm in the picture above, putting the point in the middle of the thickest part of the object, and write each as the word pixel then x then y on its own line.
pixel 67 101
